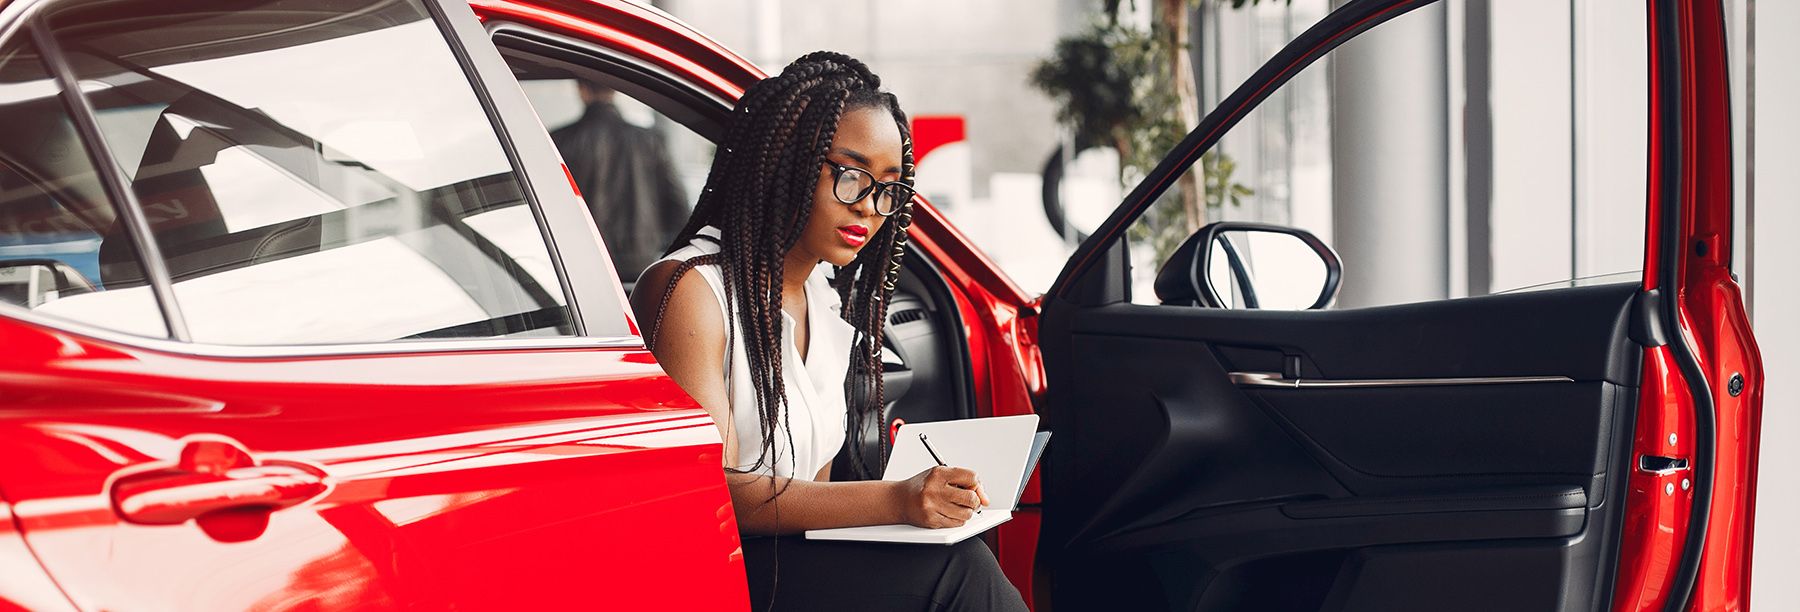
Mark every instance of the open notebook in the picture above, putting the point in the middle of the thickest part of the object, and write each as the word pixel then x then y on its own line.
pixel 1001 450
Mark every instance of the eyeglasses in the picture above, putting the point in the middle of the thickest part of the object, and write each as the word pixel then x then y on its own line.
pixel 851 185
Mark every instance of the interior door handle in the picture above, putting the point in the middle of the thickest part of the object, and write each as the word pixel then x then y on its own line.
pixel 213 474
pixel 1270 379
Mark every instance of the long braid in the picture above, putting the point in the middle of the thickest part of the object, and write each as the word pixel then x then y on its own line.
pixel 865 286
pixel 759 195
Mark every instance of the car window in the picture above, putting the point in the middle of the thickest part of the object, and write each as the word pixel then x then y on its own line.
pixel 639 171
pixel 314 172
pixel 53 212
pixel 1512 162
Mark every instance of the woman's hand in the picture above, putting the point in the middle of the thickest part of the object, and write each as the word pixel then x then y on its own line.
pixel 941 497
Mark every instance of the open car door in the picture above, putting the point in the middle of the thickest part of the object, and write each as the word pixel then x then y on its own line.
pixel 1582 448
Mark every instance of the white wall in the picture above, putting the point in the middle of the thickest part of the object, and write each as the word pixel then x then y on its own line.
pixel 1530 220
pixel 1568 93
pixel 1775 298
pixel 1611 111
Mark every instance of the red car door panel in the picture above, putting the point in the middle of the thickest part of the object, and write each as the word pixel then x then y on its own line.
pixel 491 479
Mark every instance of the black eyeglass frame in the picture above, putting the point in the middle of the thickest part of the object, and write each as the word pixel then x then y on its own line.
pixel 837 174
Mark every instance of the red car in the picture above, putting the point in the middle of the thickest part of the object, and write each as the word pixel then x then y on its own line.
pixel 206 403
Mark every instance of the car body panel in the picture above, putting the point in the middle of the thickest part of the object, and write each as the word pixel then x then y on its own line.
pixel 1698 556
pixel 27 587
pixel 492 474
pixel 483 479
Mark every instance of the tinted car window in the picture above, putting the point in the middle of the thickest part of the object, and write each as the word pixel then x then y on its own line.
pixel 314 172
pixel 54 213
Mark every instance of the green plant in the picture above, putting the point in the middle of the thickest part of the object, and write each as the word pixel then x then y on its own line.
pixel 1130 89
pixel 1107 85
pixel 1165 225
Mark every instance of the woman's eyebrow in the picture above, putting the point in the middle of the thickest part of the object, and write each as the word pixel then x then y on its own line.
pixel 863 159
pixel 855 156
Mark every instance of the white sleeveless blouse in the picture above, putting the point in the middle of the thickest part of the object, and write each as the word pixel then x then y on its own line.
pixel 816 415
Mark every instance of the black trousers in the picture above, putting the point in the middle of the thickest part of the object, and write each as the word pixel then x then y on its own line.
pixel 805 574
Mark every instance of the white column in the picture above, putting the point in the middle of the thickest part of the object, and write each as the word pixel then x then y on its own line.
pixel 1390 150
pixel 1775 298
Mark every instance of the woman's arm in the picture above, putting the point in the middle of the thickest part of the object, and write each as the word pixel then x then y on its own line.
pixel 938 497
pixel 693 353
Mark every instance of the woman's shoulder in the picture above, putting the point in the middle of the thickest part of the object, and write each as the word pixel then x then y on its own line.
pixel 690 301
pixel 662 301
pixel 656 276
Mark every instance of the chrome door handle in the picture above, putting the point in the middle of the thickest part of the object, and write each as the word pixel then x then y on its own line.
pixel 1271 379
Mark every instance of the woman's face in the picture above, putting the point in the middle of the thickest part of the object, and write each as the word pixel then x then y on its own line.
pixel 866 138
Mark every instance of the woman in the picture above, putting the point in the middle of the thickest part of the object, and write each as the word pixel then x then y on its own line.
pixel 815 168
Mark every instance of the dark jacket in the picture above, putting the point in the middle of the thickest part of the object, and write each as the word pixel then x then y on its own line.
pixel 630 185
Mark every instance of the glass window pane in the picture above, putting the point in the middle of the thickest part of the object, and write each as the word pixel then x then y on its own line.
pixel 638 169
pixel 1505 161
pixel 315 172
pixel 57 228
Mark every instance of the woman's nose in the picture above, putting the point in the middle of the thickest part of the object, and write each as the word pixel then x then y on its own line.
pixel 866 206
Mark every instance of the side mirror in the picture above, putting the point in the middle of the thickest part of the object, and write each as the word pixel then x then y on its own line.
pixel 1251 265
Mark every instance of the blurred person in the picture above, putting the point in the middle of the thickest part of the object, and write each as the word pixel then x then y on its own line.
pixel 815 167
pixel 624 172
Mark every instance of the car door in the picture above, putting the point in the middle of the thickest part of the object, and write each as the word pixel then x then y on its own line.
pixel 315 320
pixel 1565 449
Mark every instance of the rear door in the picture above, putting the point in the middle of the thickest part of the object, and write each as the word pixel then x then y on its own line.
pixel 314 320
pixel 1525 451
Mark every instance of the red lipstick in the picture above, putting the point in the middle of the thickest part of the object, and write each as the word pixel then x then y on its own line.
pixel 854 235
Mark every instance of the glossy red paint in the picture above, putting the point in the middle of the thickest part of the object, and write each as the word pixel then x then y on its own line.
pixel 26 587
pixel 1714 305
pixel 1657 505
pixel 1719 315
pixel 1713 322
pixel 1655 521
pixel 643 32
pixel 493 479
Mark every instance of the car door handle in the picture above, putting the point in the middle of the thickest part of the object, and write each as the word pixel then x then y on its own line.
pixel 213 474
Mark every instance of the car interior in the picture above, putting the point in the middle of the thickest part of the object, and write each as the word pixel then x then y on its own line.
pixel 1197 469
pixel 234 195
pixel 926 376
pixel 55 212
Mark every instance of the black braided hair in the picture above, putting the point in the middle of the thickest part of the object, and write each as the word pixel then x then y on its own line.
pixel 759 194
